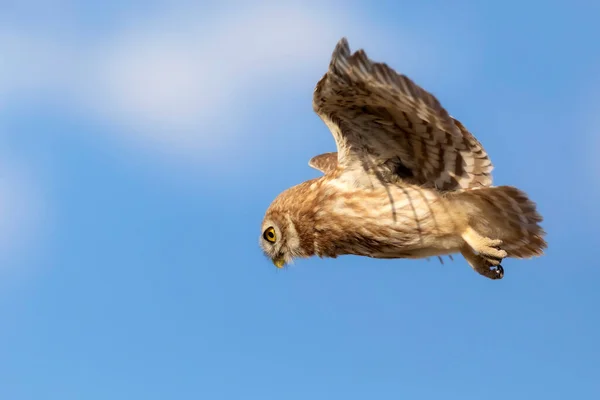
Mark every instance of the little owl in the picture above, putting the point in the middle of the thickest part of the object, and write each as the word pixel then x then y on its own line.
pixel 407 181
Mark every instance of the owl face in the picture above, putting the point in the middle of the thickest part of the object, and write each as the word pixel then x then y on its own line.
pixel 275 241
pixel 287 230
pixel 279 239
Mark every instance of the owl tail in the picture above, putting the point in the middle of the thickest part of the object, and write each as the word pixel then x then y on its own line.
pixel 506 213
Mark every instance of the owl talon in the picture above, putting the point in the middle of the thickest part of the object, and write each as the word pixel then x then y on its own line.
pixel 490 271
pixel 498 272
pixel 487 266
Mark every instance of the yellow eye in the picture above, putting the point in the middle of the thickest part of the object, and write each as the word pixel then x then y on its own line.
pixel 269 234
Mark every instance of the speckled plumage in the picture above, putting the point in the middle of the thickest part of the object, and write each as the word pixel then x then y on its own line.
pixel 407 180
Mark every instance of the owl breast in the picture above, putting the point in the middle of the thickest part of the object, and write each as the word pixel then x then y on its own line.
pixel 397 221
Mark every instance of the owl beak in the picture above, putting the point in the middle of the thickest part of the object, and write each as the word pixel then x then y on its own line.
pixel 279 262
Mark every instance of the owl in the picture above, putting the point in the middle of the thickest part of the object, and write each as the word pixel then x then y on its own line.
pixel 407 181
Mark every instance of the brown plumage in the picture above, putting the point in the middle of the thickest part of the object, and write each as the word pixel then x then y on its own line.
pixel 407 181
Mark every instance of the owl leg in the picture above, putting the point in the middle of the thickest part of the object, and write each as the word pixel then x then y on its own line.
pixel 488 267
pixel 487 247
pixel 483 254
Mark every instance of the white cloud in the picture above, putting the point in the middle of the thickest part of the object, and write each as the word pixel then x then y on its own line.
pixel 185 81
pixel 20 207
pixel 30 66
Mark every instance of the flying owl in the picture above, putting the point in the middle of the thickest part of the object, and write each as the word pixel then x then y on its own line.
pixel 407 181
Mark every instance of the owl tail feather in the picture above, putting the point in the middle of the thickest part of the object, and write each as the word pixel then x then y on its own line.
pixel 506 213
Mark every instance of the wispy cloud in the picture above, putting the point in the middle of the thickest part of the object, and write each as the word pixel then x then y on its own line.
pixel 187 84
pixel 20 206
pixel 31 66
pixel 171 81
pixel 184 81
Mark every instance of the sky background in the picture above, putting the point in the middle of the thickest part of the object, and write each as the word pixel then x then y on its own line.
pixel 141 143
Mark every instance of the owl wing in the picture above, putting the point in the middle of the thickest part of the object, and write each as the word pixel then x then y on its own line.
pixel 325 162
pixel 384 123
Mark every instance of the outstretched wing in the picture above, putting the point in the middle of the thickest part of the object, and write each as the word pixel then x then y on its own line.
pixel 384 123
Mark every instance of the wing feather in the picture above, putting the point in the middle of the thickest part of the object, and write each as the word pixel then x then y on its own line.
pixel 325 162
pixel 385 123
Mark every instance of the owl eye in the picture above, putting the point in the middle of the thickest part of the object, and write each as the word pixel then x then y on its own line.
pixel 269 234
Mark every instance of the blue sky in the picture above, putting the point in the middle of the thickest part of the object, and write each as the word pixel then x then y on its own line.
pixel 141 143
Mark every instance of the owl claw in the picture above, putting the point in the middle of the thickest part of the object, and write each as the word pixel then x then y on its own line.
pixel 486 265
pixel 500 272
pixel 492 261
pixel 496 272
pixel 490 271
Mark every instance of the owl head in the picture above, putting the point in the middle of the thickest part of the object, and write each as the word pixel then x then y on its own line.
pixel 279 239
pixel 287 228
